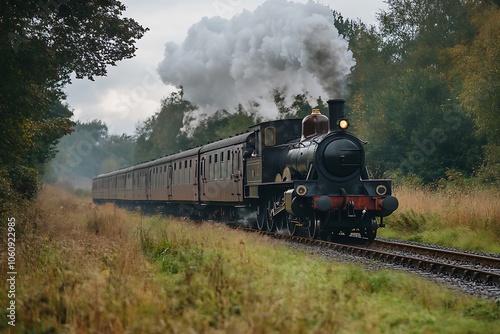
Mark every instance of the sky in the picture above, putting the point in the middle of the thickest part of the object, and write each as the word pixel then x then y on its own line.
pixel 199 44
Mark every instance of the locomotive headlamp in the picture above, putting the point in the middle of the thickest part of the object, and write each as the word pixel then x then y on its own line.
pixel 301 190
pixel 343 124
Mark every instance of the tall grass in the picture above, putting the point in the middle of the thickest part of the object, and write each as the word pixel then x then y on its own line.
pixel 461 217
pixel 99 269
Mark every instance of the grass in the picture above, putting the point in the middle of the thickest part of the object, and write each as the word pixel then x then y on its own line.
pixel 88 269
pixel 454 216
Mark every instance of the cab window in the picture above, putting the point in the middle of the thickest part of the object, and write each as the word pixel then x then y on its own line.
pixel 270 136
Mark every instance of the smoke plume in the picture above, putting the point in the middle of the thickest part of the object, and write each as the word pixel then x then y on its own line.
pixel 281 44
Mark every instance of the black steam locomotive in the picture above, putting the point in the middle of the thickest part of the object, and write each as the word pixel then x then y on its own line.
pixel 291 175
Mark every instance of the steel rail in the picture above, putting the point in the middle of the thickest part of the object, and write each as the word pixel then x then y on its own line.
pixel 492 262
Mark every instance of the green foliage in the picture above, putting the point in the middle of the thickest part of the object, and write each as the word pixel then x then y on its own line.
pixel 382 282
pixel 41 44
pixel 476 66
pixel 161 133
pixel 222 124
pixel 18 185
pixel 299 108
pixel 403 98
pixel 177 127
pixel 8 197
pixel 24 180
pixel 409 221
pixel 173 257
pixel 481 74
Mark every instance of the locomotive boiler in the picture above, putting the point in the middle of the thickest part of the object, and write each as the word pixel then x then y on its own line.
pixel 298 175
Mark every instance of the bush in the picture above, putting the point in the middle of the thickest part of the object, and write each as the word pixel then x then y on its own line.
pixel 409 221
pixel 24 180
pixel 11 200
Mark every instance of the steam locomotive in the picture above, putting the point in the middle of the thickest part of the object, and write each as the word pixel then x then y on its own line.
pixel 299 176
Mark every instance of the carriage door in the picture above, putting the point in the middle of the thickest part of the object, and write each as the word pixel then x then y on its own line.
pixel 237 175
pixel 169 181
pixel 203 178
pixel 196 183
pixel 148 183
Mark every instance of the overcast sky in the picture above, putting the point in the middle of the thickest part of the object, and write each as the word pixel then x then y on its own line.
pixel 133 89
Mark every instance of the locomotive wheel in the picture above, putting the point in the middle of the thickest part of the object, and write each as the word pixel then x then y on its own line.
pixel 281 221
pixel 282 218
pixel 313 226
pixel 271 203
pixel 290 225
pixel 261 217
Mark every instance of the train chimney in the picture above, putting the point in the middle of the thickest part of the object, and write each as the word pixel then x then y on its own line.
pixel 336 113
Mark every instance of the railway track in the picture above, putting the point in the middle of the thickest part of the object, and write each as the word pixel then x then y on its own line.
pixel 467 259
pixel 464 265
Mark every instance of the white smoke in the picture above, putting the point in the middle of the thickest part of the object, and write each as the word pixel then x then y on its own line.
pixel 281 44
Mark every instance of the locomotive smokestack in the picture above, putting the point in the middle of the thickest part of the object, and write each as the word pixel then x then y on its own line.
pixel 336 113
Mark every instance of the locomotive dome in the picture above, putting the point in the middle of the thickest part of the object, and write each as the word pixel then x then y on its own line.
pixel 314 124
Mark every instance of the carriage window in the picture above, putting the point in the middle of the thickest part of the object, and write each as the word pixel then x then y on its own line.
pixel 239 161
pixel 216 167
pixel 270 136
pixel 228 165
pixel 209 177
pixel 222 171
pixel 203 170
pixel 216 171
pixel 179 173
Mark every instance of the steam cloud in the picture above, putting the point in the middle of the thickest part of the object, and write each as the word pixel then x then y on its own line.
pixel 281 44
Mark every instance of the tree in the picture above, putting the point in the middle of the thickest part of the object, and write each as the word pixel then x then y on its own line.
pixel 299 108
pixel 476 65
pixel 161 133
pixel 402 99
pixel 88 151
pixel 51 126
pixel 41 44
pixel 221 125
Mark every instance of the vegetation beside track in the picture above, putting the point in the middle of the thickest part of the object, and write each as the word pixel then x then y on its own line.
pixel 457 214
pixel 83 268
